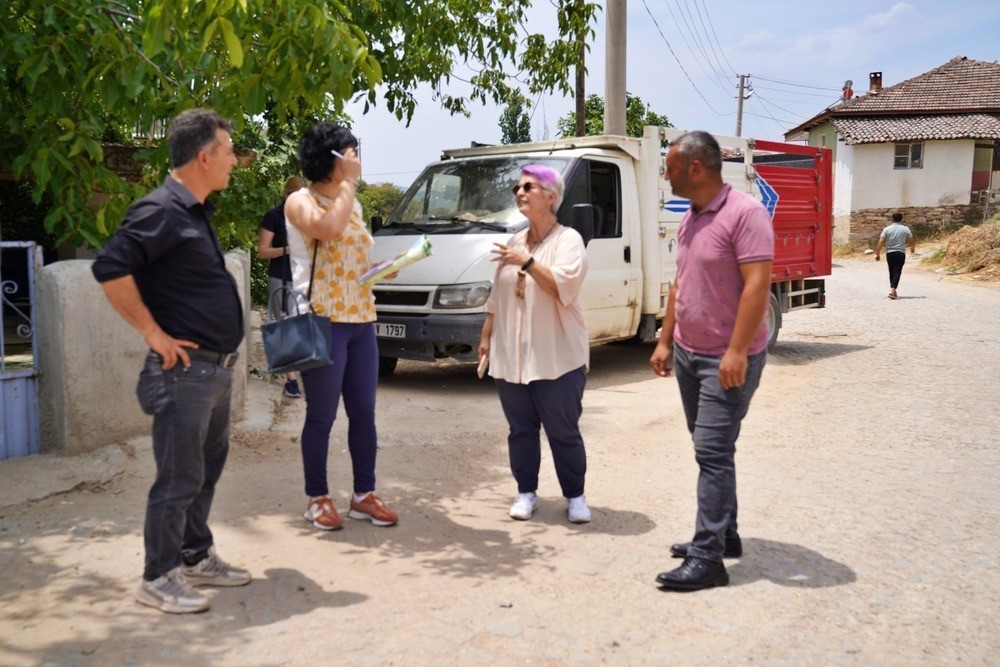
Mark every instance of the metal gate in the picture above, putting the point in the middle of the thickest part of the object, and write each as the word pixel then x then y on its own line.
pixel 19 265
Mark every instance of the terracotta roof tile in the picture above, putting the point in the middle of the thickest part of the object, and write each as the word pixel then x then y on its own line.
pixel 959 86
pixel 879 129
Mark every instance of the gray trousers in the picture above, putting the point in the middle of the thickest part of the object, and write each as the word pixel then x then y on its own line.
pixel 190 408
pixel 713 417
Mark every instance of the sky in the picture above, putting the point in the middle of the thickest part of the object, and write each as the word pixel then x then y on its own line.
pixel 683 60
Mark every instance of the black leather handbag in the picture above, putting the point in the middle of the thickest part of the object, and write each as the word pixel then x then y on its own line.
pixel 297 342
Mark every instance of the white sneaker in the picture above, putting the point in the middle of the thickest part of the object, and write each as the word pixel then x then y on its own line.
pixel 577 510
pixel 171 593
pixel 524 506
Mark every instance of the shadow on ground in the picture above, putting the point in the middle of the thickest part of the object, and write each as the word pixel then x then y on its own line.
pixel 787 565
pixel 798 352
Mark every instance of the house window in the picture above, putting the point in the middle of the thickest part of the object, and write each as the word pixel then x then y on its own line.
pixel 909 156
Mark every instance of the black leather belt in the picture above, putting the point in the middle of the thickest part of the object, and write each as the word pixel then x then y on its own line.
pixel 223 359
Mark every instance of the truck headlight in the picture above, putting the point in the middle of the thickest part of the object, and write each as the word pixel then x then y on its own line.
pixel 468 295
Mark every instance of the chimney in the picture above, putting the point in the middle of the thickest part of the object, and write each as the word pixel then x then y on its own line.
pixel 874 82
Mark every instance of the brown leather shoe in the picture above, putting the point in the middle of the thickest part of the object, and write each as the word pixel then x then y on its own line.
pixel 372 509
pixel 322 514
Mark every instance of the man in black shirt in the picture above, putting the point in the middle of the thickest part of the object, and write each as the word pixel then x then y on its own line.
pixel 165 274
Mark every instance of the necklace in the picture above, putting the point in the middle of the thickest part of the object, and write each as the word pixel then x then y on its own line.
pixel 537 243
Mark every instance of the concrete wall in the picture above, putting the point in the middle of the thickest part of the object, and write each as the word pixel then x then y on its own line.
pixel 945 179
pixel 843 184
pixel 89 359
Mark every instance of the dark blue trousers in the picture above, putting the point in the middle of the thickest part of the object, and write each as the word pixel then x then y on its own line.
pixel 353 375
pixel 556 405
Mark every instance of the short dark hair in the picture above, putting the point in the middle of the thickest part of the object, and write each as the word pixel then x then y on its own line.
pixel 319 140
pixel 897 217
pixel 700 146
pixel 191 131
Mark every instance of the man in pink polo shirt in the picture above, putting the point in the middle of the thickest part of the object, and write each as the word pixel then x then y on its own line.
pixel 714 330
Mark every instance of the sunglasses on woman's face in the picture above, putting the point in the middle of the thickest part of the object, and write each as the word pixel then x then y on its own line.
pixel 528 187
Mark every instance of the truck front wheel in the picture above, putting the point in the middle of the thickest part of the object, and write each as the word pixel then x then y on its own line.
pixel 386 366
pixel 773 318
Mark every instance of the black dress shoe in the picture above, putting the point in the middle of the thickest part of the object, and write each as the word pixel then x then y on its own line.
pixel 734 548
pixel 693 575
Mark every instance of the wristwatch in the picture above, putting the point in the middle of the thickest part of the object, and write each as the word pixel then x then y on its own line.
pixel 527 265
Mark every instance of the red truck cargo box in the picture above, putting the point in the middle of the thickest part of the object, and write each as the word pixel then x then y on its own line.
pixel 802 179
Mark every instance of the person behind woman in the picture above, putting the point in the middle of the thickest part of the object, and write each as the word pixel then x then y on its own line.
pixel 894 239
pixel 326 217
pixel 536 341
pixel 272 244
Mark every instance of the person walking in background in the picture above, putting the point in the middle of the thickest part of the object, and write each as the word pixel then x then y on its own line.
pixel 894 239
pixel 326 218
pixel 536 343
pixel 165 274
pixel 715 332
pixel 272 244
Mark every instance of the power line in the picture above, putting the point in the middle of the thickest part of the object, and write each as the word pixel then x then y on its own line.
pixel 708 37
pixel 792 92
pixel 693 31
pixel 698 61
pixel 796 83
pixel 721 50
pixel 671 49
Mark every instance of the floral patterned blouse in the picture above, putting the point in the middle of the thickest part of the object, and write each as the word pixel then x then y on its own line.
pixel 336 291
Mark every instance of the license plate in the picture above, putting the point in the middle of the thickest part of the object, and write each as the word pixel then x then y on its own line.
pixel 383 330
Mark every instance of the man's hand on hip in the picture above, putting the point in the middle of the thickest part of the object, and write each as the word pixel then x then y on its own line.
pixel 733 369
pixel 170 349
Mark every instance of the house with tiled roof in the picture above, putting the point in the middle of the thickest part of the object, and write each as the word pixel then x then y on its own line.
pixel 928 147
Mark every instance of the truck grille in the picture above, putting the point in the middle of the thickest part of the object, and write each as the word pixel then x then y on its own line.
pixel 394 298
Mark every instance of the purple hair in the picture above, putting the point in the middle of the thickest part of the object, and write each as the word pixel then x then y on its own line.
pixel 548 178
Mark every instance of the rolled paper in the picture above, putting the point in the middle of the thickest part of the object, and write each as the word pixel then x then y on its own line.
pixel 420 249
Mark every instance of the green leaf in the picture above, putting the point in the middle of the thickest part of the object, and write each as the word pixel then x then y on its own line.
pixel 232 42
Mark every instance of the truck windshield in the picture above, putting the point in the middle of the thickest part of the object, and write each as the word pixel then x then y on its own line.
pixel 464 196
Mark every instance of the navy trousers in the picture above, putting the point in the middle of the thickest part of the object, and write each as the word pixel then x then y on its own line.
pixel 555 405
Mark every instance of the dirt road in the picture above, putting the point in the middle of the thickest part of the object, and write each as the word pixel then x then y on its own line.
pixel 869 507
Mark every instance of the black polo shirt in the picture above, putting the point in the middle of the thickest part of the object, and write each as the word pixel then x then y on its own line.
pixel 274 222
pixel 167 244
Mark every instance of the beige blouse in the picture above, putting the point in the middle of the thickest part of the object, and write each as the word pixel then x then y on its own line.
pixel 336 291
pixel 540 337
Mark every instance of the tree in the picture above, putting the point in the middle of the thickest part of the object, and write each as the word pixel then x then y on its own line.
pixel 75 76
pixel 515 126
pixel 378 199
pixel 637 115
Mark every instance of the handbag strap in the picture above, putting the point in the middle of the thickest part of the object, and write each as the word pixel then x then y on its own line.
pixel 312 272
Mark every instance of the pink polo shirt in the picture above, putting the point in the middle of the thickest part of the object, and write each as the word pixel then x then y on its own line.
pixel 540 337
pixel 733 229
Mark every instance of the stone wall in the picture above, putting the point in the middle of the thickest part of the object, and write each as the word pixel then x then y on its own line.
pixel 89 359
pixel 923 221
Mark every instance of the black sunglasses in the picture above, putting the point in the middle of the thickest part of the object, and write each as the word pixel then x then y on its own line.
pixel 528 187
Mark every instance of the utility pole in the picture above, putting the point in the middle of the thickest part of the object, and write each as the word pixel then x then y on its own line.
pixel 739 106
pixel 581 106
pixel 614 75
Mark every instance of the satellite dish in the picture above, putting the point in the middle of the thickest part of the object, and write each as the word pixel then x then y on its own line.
pixel 848 84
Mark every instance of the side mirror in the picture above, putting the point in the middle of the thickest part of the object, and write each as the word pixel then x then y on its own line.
pixel 376 223
pixel 582 218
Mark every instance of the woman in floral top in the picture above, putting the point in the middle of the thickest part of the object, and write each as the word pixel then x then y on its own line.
pixel 326 214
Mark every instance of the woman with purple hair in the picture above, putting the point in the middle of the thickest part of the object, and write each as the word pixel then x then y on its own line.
pixel 536 342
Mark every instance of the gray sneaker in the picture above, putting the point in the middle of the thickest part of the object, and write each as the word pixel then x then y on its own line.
pixel 213 571
pixel 171 593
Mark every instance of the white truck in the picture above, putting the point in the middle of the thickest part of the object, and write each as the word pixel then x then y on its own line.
pixel 617 198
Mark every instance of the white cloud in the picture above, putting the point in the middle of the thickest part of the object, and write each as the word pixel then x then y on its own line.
pixel 897 13
pixel 758 38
